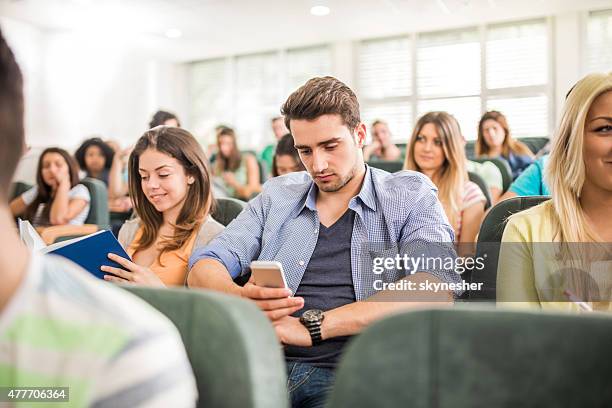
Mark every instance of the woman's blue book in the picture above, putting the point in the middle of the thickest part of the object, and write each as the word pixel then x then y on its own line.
pixel 90 251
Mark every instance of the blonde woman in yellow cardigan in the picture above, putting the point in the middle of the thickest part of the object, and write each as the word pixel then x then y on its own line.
pixel 578 219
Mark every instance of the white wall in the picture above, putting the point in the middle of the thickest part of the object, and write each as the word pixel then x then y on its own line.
pixel 27 43
pixel 83 84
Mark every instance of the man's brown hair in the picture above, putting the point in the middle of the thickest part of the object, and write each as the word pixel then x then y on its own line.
pixel 11 117
pixel 322 96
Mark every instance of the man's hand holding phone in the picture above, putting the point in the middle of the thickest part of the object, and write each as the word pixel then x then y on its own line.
pixel 268 289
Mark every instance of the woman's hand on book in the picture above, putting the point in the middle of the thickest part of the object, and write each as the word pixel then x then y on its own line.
pixel 130 273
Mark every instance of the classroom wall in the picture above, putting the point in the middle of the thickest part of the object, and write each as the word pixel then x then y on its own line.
pixel 78 85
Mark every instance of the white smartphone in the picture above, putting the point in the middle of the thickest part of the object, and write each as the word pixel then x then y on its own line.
pixel 268 274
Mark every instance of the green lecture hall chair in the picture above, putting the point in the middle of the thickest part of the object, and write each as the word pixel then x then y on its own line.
pixel 489 239
pixel 235 355
pixel 478 358
pixel 226 209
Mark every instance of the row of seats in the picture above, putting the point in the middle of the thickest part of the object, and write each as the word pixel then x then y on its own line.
pixel 464 357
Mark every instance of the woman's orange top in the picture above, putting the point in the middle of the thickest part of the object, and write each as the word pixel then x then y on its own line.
pixel 172 266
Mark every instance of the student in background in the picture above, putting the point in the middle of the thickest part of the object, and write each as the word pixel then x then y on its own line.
pixel 237 172
pixel 286 158
pixel 531 181
pixel 381 148
pixel 491 176
pixel 170 186
pixel 494 140
pixel 279 129
pixel 57 198
pixel 579 175
pixel 62 327
pixel 436 150
pixel 164 118
pixel 95 158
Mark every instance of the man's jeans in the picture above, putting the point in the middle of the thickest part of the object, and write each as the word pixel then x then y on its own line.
pixel 308 386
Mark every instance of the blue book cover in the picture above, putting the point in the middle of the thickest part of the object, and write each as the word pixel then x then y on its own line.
pixel 90 252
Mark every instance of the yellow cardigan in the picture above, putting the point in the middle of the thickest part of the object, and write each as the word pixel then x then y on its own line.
pixel 529 273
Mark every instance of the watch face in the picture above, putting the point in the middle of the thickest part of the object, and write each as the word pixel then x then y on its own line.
pixel 312 315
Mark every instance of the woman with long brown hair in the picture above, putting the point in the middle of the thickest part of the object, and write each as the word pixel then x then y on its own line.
pixel 436 150
pixel 238 172
pixel 57 198
pixel 494 140
pixel 170 187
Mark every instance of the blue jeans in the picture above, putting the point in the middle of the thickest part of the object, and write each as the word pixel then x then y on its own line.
pixel 308 386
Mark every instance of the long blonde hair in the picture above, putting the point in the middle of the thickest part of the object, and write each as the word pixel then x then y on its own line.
pixel 565 171
pixel 451 179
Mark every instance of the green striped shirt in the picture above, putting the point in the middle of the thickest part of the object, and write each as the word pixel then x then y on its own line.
pixel 64 328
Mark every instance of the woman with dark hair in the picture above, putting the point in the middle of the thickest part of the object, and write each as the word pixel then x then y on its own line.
pixel 286 158
pixel 57 198
pixel 95 158
pixel 170 186
pixel 164 118
pixel 494 140
pixel 237 172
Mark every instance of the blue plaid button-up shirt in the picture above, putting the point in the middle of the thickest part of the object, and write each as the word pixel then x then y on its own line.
pixel 394 214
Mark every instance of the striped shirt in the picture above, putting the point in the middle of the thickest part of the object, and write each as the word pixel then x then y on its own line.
pixel 472 194
pixel 396 214
pixel 64 328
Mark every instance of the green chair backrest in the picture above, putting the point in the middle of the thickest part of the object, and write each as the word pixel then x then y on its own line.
pixel 17 189
pixel 232 347
pixel 226 209
pixel 475 178
pixel 390 166
pixel 98 206
pixel 535 144
pixel 471 358
pixel 489 238
pixel 402 147
pixel 504 169
pixel 470 149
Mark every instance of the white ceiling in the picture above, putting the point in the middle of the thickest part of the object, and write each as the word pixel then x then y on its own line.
pixel 227 27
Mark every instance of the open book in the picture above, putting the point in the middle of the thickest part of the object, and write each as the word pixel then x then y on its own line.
pixel 89 251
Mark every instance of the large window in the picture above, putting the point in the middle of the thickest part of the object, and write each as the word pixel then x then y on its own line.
pixel 448 75
pixel 385 83
pixel 517 71
pixel 247 91
pixel 465 72
pixel 599 42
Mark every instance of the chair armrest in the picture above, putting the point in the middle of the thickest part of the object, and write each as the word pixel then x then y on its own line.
pixel 51 234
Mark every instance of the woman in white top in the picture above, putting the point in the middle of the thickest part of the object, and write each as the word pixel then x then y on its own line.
pixel 57 198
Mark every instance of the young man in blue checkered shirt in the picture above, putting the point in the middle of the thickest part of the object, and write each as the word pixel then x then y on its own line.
pixel 326 226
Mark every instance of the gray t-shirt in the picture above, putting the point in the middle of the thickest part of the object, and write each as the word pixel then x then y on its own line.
pixel 327 284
